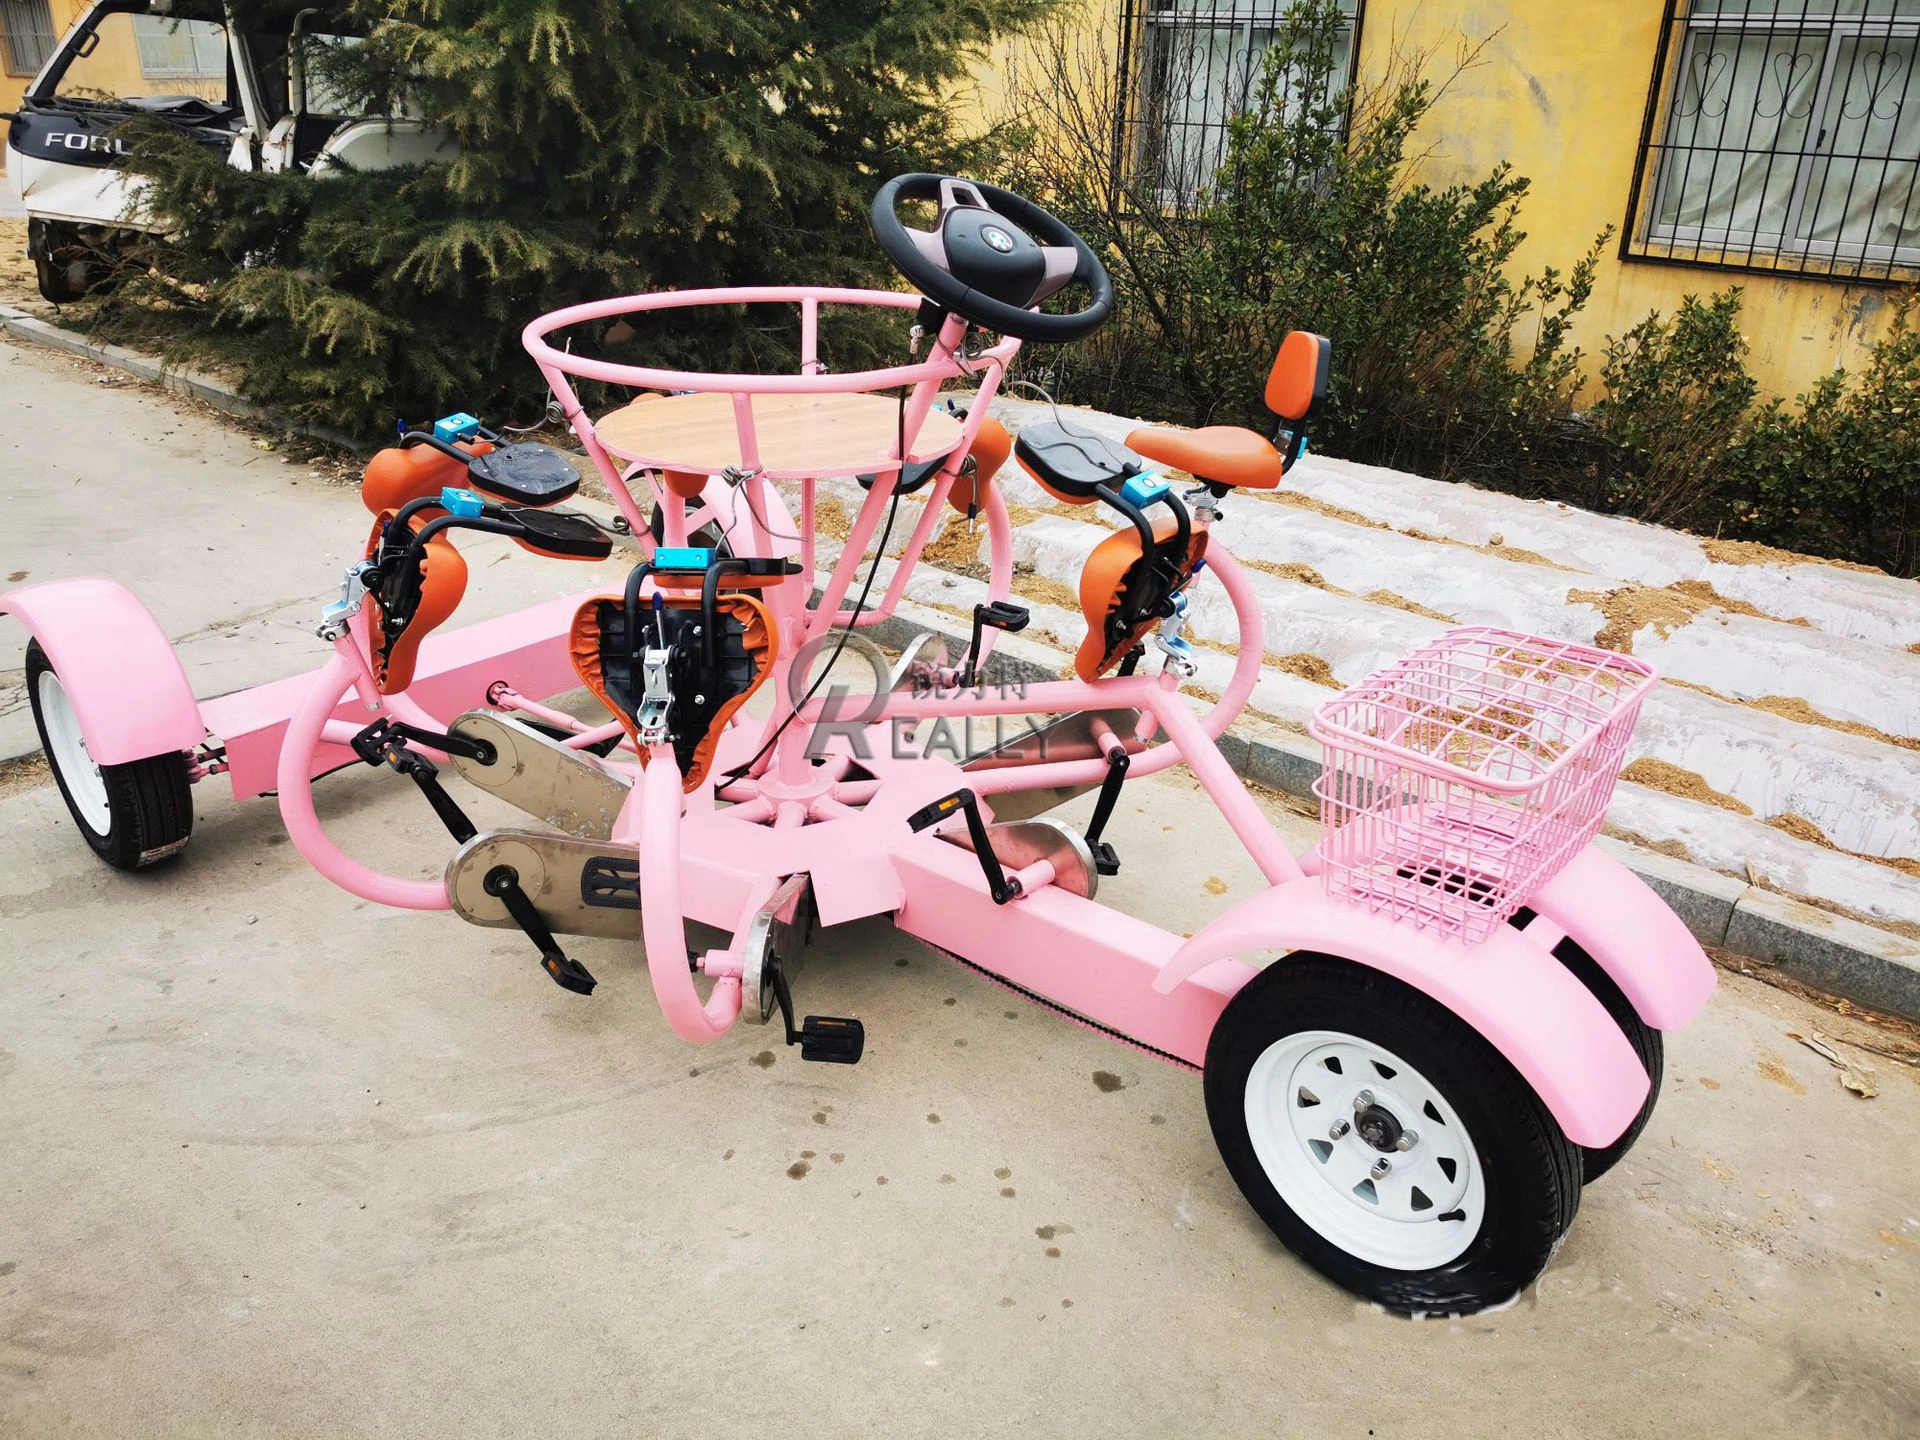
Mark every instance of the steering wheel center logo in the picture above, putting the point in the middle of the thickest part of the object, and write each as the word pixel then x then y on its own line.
pixel 997 238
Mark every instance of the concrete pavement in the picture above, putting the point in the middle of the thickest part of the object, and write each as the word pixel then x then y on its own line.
pixel 278 1162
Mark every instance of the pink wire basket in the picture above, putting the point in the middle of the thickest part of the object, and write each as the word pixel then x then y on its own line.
pixel 1460 779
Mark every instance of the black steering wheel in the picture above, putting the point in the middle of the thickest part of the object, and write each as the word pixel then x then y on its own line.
pixel 993 256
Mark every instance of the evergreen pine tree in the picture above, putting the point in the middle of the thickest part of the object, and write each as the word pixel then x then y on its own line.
pixel 605 147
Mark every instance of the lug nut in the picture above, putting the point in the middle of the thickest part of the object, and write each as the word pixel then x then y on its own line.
pixel 1408 1139
pixel 1339 1130
pixel 1363 1099
pixel 1381 1167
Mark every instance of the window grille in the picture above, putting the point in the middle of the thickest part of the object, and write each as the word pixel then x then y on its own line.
pixel 181 49
pixel 1782 135
pixel 26 35
pixel 1187 68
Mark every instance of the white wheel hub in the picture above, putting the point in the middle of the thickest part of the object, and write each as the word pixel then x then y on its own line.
pixel 1365 1149
pixel 68 750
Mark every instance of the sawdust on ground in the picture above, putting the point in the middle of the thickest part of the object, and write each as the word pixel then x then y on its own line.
pixel 1674 780
pixel 1632 607
pixel 1400 602
pixel 1047 591
pixel 1292 570
pixel 17 284
pixel 1792 707
pixel 1307 667
pixel 1801 828
pixel 1752 552
pixel 1628 609
pixel 1703 590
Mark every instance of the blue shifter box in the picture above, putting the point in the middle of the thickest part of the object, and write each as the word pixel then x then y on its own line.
pixel 458 426
pixel 682 557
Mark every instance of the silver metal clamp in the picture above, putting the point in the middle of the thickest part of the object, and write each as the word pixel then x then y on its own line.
pixel 337 617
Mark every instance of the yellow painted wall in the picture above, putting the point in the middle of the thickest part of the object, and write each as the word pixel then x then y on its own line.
pixel 1560 91
pixel 12 87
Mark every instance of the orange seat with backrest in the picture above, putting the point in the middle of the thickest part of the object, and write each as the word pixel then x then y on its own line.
pixel 1234 455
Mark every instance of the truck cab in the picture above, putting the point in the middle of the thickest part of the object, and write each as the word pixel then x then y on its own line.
pixel 242 80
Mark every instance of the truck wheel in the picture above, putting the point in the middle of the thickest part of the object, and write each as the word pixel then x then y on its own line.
pixel 1646 1041
pixel 133 815
pixel 1384 1141
pixel 66 267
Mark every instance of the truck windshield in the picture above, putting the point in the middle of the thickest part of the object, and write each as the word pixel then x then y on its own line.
pixel 149 57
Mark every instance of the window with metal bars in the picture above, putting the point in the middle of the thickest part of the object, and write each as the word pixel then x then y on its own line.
pixel 1187 68
pixel 1783 135
pixel 26 35
pixel 181 49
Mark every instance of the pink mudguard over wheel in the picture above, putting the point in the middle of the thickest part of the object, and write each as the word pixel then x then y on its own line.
pixel 119 670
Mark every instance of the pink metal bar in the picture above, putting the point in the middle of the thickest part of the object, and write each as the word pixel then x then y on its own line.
pixel 749 437
pixel 1224 787
pixel 324 692
pixel 809 335
pixel 943 366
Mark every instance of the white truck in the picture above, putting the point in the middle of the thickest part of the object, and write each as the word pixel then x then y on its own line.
pixel 238 78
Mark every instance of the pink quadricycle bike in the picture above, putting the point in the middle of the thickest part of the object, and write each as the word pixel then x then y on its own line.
pixel 1465 1022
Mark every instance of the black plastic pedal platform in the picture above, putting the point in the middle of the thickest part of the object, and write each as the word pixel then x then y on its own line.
pixel 829 1039
pixel 526 474
pixel 996 615
pixel 832 1039
pixel 563 534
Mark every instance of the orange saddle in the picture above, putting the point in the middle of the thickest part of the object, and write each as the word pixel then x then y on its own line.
pixel 1236 456
pixel 709 682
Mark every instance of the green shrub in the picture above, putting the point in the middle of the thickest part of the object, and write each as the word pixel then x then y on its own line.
pixel 1674 400
pixel 1838 472
pixel 1312 222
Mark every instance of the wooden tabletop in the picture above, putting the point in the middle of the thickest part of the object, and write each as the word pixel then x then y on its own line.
pixel 798 435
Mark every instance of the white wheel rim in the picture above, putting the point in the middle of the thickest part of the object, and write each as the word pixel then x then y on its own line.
pixel 1319 1106
pixel 67 749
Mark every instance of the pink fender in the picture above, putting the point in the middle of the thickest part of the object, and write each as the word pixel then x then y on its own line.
pixel 124 680
pixel 1614 915
pixel 1527 1005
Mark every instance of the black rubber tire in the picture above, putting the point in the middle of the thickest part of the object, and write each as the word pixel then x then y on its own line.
pixel 64 266
pixel 1532 1170
pixel 149 802
pixel 1646 1041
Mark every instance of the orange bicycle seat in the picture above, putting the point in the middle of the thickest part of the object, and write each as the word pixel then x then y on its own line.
pixel 1112 571
pixel 443 581
pixel 1236 456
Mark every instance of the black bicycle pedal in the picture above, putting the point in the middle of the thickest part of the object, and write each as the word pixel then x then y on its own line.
pixel 832 1039
pixel 1002 615
pixel 568 974
pixel 1106 860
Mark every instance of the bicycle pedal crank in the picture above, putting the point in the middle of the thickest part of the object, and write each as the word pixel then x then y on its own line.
pixel 536 773
pixel 578 887
pixel 1019 843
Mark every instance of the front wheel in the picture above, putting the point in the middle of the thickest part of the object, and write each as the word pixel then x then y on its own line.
pixel 131 815
pixel 1386 1142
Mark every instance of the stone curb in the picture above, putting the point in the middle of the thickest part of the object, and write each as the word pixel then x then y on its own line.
pixel 1842 957
pixel 1839 956
pixel 195 384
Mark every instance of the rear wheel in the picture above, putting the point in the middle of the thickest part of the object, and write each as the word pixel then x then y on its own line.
pixel 1646 1041
pixel 1384 1141
pixel 132 815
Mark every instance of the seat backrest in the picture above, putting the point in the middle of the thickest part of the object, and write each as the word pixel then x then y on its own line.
pixel 1298 381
